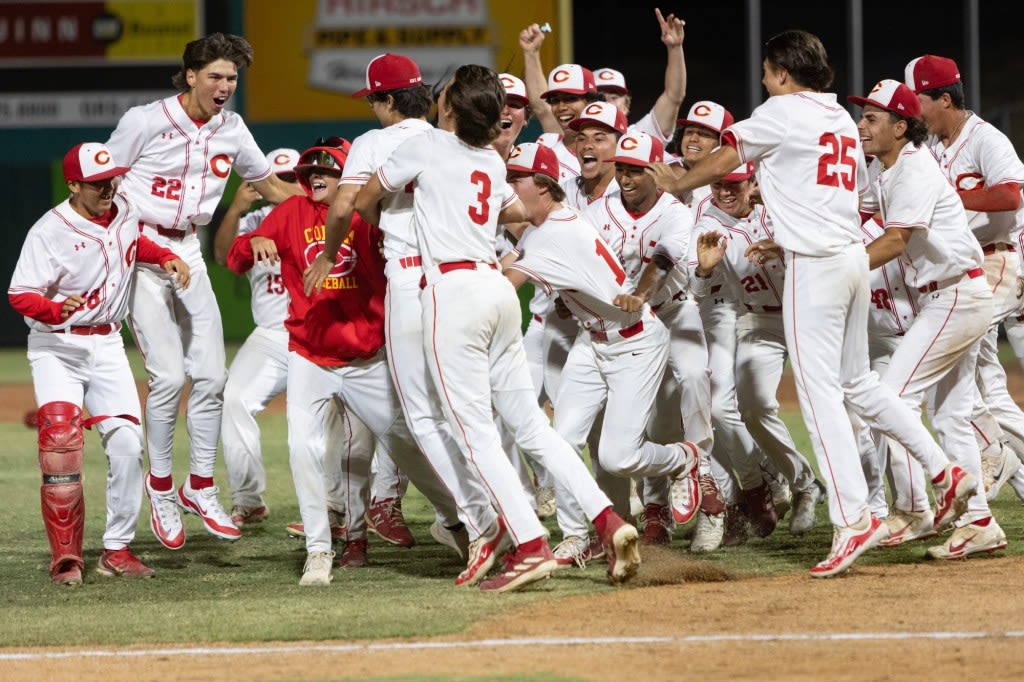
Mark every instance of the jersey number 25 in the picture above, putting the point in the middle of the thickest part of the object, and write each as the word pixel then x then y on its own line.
pixel 837 165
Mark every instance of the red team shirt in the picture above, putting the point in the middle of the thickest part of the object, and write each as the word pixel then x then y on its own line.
pixel 345 321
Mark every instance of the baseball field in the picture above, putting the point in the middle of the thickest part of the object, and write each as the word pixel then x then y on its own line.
pixel 220 611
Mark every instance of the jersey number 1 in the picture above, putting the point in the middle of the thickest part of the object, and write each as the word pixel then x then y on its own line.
pixel 480 211
pixel 603 252
pixel 830 171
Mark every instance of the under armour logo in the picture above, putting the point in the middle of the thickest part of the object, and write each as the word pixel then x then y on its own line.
pixel 166 136
pixel 719 301
pixel 80 245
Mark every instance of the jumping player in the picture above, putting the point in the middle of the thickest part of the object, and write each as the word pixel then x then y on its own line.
pixel 72 283
pixel 181 150
pixel 810 168
pixel 471 323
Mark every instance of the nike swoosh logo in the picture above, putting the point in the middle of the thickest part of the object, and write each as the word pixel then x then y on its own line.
pixel 635 354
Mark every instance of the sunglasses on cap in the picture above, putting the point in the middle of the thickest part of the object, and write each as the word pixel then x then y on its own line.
pixel 319 159
pixel 332 141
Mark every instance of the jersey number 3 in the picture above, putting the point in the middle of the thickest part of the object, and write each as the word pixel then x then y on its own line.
pixel 481 210
pixel 837 167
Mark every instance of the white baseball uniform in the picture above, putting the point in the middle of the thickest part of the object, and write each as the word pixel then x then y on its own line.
pixel 981 155
pixel 568 164
pixel 471 323
pixel 760 338
pixel 617 362
pixel 178 174
pixel 403 327
pixel 944 263
pixel 81 359
pixel 810 168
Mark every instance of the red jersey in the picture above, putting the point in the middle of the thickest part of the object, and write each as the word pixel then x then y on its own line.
pixel 345 321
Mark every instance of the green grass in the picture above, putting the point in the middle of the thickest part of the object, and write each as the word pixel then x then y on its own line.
pixel 214 591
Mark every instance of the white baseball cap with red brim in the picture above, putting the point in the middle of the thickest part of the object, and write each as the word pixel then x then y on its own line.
pixel 601 113
pixel 90 162
pixel 515 88
pixel 708 114
pixel 571 79
pixel 530 158
pixel 610 80
pixel 892 96
pixel 638 149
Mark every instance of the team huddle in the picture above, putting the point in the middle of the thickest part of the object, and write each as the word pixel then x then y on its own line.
pixel 677 264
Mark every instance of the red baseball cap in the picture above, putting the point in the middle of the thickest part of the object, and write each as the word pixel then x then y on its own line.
pixel 892 96
pixel 602 113
pixel 930 72
pixel 638 149
pixel 531 157
pixel 610 80
pixel 707 114
pixel 389 71
pixel 90 162
pixel 571 79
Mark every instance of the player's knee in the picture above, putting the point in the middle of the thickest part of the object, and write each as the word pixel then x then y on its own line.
pixel 61 442
pixel 211 385
pixel 167 384
pixel 124 441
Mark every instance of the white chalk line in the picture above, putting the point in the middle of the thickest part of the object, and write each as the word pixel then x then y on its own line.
pixel 374 647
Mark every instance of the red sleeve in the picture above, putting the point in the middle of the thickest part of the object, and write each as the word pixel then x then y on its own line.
pixel 37 306
pixel 240 258
pixel 148 251
pixel 1002 197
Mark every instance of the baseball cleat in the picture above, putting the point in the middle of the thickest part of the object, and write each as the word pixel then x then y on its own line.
pixel 354 554
pixel 243 514
pixel 317 570
pixel 121 563
pixel 686 491
pixel 335 518
pixel 983 535
pixel 998 465
pixel 456 539
pixel 164 517
pixel 544 498
pixel 67 573
pixel 760 510
pixel 386 520
pixel 848 543
pixel 521 569
pixel 804 505
pixel 658 524
pixel 483 552
pixel 710 532
pixel 905 526
pixel 735 533
pixel 204 504
pixel 621 547
pixel 952 488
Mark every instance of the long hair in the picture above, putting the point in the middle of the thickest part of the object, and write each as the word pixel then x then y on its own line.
pixel 803 56
pixel 203 51
pixel 476 97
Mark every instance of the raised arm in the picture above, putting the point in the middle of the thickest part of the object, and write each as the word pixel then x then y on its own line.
pixel 530 39
pixel 275 190
pixel 666 108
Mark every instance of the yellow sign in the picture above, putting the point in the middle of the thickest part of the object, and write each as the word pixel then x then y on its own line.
pixel 309 58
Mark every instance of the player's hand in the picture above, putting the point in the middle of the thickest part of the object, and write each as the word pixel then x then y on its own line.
pixel 181 271
pixel 264 250
pixel 630 303
pixel 671 29
pixel 1020 290
pixel 666 176
pixel 245 197
pixel 70 305
pixel 561 309
pixel 313 277
pixel 710 251
pixel 760 252
pixel 531 38
pixel 755 196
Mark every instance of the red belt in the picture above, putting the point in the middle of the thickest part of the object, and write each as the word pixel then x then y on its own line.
pixel 633 330
pixel 410 262
pixel 764 308
pixel 538 318
pixel 166 231
pixel 102 329
pixel 445 268
pixel 973 273
pixel 994 248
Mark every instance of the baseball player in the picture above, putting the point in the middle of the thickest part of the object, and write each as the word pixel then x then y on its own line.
pixel 982 165
pixel 471 324
pixel 926 226
pixel 335 354
pixel 809 183
pixel 181 150
pixel 72 283
pixel 729 225
pixel 259 371
pixel 400 101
